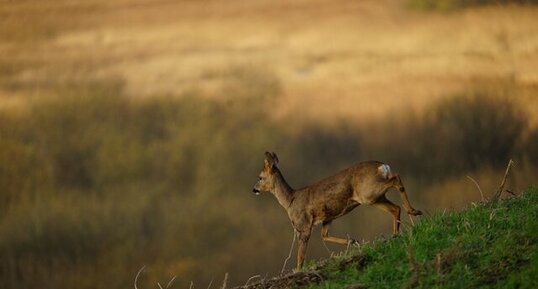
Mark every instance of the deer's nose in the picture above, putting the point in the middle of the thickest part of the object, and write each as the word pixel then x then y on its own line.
pixel 256 191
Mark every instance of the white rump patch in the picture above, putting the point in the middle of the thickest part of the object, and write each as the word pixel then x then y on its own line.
pixel 384 170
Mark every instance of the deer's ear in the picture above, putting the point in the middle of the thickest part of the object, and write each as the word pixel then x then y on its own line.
pixel 275 158
pixel 269 160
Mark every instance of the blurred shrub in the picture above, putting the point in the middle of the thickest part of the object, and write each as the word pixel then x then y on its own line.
pixel 530 147
pixel 69 129
pixel 317 152
pixel 22 172
pixel 458 134
pixel 97 184
pixel 444 5
pixel 467 132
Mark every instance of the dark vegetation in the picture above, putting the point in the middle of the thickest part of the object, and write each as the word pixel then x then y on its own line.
pixel 445 5
pixel 489 245
pixel 94 184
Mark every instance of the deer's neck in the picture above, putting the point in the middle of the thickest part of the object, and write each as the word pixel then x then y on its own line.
pixel 283 192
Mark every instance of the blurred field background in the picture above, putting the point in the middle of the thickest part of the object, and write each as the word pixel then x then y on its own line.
pixel 132 131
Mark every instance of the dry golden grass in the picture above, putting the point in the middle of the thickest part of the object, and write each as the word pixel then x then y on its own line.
pixel 334 59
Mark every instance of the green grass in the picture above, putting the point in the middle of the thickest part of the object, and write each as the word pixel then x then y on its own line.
pixel 490 245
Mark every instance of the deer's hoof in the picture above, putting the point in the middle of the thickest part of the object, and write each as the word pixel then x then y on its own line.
pixel 415 212
pixel 353 242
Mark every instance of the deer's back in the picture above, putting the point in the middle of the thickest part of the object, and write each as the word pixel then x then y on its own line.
pixel 338 194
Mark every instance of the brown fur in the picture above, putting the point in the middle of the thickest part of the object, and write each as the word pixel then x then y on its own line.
pixel 332 197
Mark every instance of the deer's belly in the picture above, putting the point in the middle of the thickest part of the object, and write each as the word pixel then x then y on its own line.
pixel 330 211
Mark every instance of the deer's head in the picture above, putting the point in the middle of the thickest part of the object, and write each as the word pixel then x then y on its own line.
pixel 266 178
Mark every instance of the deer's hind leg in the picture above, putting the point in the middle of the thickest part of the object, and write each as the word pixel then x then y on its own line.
pixel 325 235
pixel 396 182
pixel 384 204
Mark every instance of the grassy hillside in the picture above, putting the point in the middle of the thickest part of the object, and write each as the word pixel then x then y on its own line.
pixel 493 245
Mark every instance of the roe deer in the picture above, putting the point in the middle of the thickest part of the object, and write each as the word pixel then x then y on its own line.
pixel 363 184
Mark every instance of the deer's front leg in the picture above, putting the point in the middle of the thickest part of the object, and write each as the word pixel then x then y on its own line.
pixel 303 243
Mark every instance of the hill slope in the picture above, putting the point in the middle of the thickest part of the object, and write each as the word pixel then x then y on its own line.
pixel 493 245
